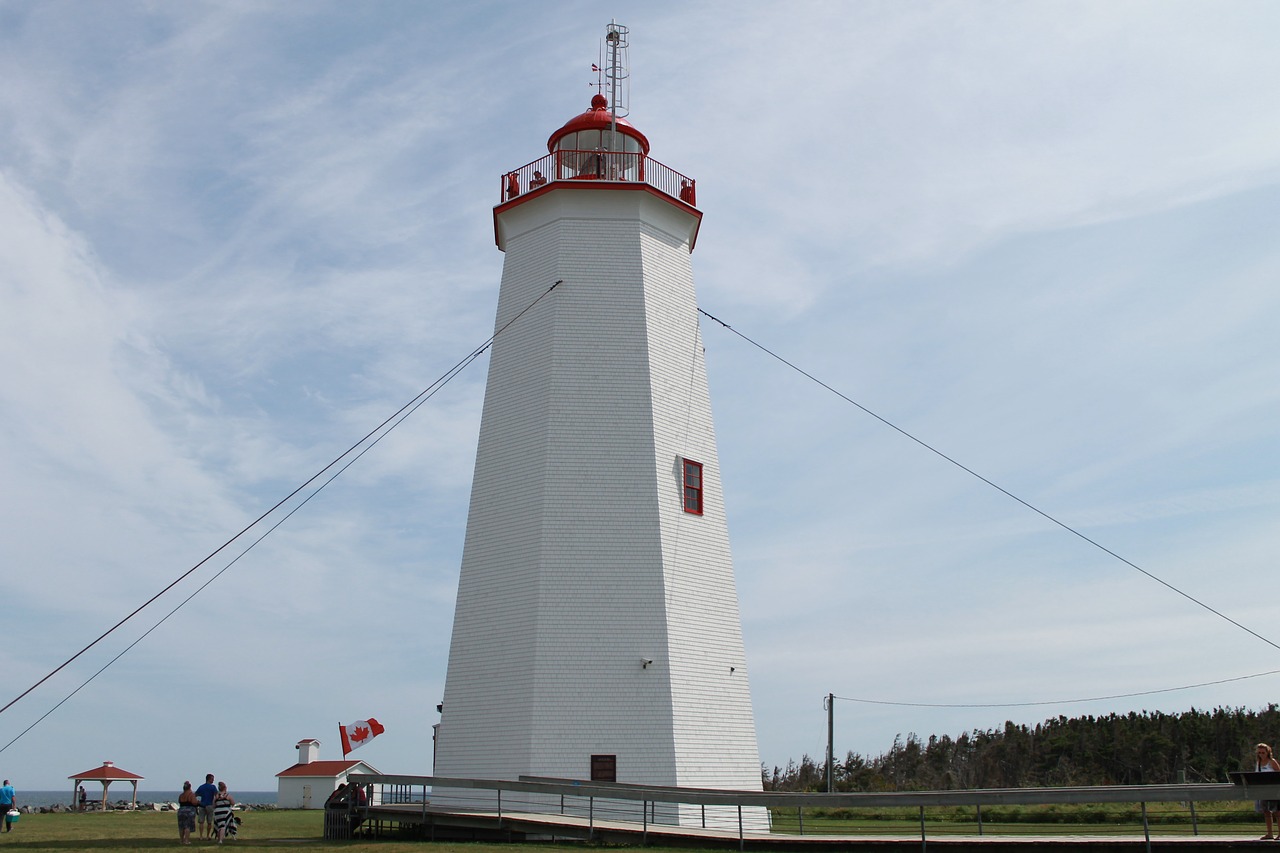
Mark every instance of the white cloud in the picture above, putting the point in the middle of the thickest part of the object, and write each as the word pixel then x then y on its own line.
pixel 235 238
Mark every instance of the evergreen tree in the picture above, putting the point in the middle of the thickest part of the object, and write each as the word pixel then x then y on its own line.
pixel 1147 748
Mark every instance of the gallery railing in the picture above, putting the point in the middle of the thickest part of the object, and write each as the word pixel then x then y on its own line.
pixel 609 166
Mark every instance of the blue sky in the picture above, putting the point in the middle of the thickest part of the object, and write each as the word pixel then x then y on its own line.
pixel 235 237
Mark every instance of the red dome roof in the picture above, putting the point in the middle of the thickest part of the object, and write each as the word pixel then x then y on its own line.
pixel 598 118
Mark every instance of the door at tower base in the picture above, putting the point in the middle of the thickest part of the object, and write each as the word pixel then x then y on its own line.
pixel 597 630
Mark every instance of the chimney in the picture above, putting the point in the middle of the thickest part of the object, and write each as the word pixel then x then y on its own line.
pixel 308 750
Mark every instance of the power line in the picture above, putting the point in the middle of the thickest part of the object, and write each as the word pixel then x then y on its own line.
pixel 993 485
pixel 1054 701
pixel 380 431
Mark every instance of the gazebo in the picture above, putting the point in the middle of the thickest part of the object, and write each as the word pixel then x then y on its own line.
pixel 106 774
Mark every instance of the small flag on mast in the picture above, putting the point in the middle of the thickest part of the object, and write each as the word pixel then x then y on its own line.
pixel 358 734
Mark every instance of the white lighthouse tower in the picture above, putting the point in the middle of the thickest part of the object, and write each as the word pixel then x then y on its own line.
pixel 597 634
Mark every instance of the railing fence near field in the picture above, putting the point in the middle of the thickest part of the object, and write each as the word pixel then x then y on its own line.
pixel 732 811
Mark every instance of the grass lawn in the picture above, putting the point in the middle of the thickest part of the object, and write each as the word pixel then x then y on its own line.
pixel 260 830
pixel 1216 819
pixel 294 830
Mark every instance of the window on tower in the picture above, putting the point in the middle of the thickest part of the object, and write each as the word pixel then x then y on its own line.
pixel 692 487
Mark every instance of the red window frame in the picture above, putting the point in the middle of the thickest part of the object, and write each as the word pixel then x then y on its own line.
pixel 691 482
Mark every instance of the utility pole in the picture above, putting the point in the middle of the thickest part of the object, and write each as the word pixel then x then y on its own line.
pixel 831 729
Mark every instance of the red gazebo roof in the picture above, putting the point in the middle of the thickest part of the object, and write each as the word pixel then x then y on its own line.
pixel 108 772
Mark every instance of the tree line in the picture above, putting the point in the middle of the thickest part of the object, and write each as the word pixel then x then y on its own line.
pixel 1146 748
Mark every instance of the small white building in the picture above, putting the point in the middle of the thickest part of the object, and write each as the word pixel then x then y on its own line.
pixel 307 784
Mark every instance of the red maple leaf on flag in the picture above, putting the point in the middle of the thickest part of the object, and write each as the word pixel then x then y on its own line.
pixel 359 733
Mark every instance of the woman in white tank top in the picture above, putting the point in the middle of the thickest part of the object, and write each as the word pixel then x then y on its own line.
pixel 1266 762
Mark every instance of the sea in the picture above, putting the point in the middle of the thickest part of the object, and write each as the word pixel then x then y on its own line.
pixel 124 791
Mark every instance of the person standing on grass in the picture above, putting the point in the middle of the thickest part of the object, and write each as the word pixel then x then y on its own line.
pixel 222 813
pixel 205 793
pixel 8 800
pixel 1266 763
pixel 188 805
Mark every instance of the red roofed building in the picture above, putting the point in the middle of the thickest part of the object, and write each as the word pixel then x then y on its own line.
pixel 307 784
pixel 106 774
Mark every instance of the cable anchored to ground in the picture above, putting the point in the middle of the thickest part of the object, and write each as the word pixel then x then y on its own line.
pixel 993 485
pixel 351 454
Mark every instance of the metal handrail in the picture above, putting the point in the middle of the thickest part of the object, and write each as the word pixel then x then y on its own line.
pixel 1224 791
pixel 595 793
pixel 575 165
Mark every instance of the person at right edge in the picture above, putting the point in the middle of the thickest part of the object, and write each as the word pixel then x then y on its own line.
pixel 1265 762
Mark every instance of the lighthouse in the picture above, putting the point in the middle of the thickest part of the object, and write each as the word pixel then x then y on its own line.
pixel 597 634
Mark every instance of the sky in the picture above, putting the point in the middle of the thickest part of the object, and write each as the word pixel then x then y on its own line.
pixel 1039 238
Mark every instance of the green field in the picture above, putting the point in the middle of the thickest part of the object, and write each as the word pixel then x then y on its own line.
pixel 260 830
pixel 294 830
pixel 1211 818
pixel 148 830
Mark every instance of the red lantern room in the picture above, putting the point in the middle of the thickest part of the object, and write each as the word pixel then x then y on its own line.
pixel 596 146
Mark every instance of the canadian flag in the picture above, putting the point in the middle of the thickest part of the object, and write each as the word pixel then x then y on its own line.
pixel 359 733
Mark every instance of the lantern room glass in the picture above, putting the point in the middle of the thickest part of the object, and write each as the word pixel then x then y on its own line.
pixel 598 155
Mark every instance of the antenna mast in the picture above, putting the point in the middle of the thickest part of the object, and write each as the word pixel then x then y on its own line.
pixel 617 77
